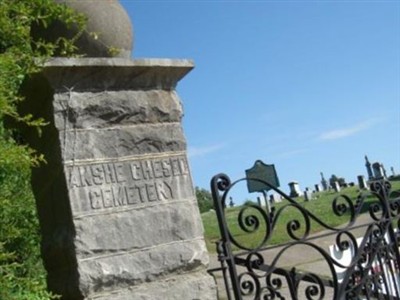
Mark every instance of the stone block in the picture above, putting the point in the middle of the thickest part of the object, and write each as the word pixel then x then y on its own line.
pixel 122 141
pixel 95 110
pixel 118 213
pixel 184 286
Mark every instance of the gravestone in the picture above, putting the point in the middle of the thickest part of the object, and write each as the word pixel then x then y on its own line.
pixel 117 209
pixel 275 198
pixel 362 184
pixel 308 195
pixel 231 203
pixel 378 170
pixel 369 168
pixel 384 171
pixel 393 172
pixel 294 189
pixel 336 186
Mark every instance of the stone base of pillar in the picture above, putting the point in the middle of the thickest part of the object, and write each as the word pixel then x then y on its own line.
pixel 116 203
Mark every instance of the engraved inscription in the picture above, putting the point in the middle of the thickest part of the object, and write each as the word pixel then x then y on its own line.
pixel 129 195
pixel 119 184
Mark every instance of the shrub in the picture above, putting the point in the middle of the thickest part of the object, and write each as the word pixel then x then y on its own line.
pixel 204 199
pixel 21 271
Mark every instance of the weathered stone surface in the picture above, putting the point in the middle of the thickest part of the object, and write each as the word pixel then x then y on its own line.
pixel 127 269
pixel 88 74
pixel 108 28
pixel 110 23
pixel 116 202
pixel 128 184
pixel 132 230
pixel 95 110
pixel 181 287
pixel 121 141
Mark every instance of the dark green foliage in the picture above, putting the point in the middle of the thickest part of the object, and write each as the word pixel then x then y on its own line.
pixel 248 202
pixel 204 199
pixel 21 271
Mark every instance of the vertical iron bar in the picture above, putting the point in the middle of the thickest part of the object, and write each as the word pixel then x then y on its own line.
pixel 226 244
pixel 221 258
pixel 391 233
pixel 382 262
pixel 390 271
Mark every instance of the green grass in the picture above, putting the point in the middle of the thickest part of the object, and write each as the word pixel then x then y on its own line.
pixel 320 207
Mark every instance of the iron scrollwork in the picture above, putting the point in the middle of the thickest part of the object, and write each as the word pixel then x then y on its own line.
pixel 372 272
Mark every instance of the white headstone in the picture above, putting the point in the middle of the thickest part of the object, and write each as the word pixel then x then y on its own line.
pixel 294 189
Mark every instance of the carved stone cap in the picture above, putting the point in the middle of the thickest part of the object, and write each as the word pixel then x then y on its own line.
pixel 93 74
pixel 109 31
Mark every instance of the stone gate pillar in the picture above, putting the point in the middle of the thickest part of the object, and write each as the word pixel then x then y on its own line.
pixel 118 213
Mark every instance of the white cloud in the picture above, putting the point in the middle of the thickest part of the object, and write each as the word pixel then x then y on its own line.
pixel 201 151
pixel 349 131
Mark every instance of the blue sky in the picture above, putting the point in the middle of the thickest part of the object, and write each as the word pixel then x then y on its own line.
pixel 309 86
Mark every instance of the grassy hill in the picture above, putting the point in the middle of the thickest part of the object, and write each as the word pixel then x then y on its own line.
pixel 321 207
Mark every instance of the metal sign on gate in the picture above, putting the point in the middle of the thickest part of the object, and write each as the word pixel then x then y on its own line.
pixel 259 175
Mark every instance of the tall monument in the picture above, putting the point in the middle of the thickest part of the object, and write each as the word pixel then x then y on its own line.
pixel 369 169
pixel 324 183
pixel 118 213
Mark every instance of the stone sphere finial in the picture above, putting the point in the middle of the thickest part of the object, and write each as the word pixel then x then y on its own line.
pixel 109 31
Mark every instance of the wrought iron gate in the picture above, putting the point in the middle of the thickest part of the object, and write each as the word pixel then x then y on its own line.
pixel 251 272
